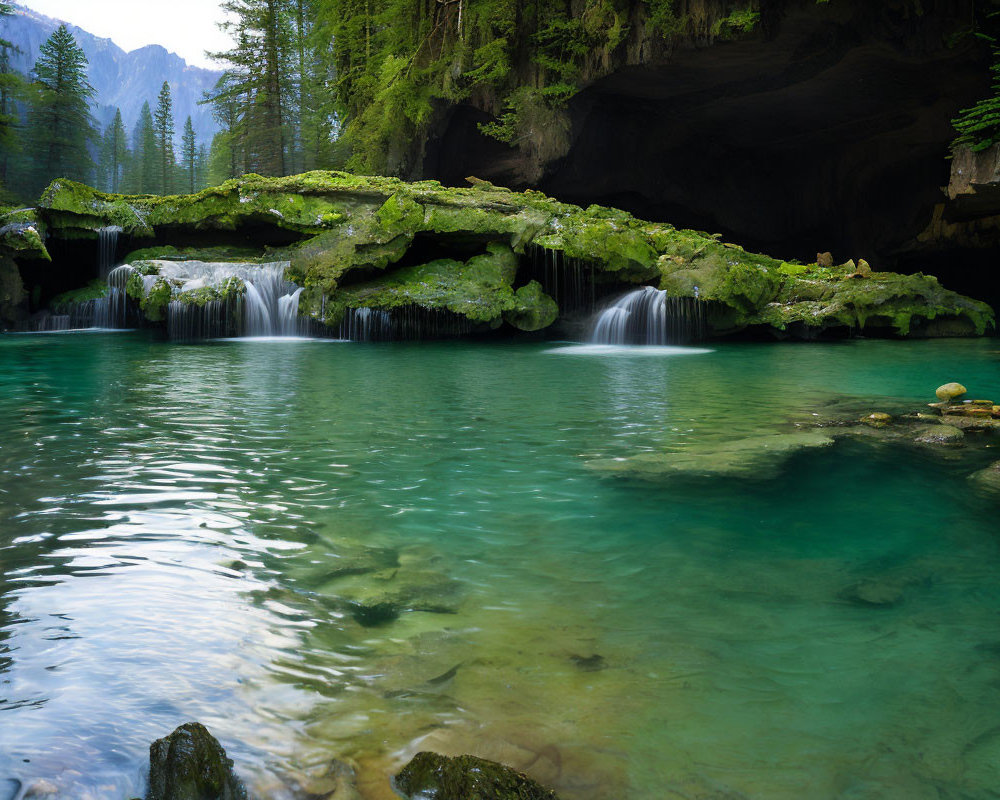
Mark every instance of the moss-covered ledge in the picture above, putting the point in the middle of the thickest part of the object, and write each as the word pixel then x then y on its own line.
pixel 355 241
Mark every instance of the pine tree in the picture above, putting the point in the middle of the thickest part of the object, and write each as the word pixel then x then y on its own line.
pixel 189 155
pixel 163 124
pixel 59 121
pixel 260 66
pixel 114 154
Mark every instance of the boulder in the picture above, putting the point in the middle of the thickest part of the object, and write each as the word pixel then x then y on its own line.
pixel 430 776
pixel 950 391
pixel 824 259
pixel 190 764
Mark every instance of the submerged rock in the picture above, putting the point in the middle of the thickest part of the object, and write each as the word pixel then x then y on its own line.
pixel 190 764
pixel 430 776
pixel 987 480
pixel 379 598
pixel 752 457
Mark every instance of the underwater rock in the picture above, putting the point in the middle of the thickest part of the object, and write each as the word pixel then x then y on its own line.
pixel 190 764
pixel 878 419
pixel 874 593
pixel 752 457
pixel 430 776
pixel 336 781
pixel 591 663
pixel 379 598
pixel 988 479
pixel 938 434
pixel 950 391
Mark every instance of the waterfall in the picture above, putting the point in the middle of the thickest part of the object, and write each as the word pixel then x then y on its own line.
pixel 107 250
pixel 265 304
pixel 568 281
pixel 650 316
pixel 406 324
pixel 366 325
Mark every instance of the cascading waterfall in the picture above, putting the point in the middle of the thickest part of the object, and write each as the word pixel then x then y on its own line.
pixel 266 304
pixel 650 316
pixel 107 250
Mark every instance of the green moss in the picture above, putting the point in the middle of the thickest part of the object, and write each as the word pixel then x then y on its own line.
pixel 22 231
pixel 352 228
pixel 535 310
pixel 234 253
pixel 94 290
pixel 154 305
pixel 229 290
pixel 479 289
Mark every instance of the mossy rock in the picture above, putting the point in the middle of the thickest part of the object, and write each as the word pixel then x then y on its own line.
pixel 190 764
pixel 535 310
pixel 430 776
pixel 346 229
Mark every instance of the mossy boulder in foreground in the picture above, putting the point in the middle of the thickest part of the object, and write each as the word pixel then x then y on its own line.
pixel 375 242
pixel 190 764
pixel 430 776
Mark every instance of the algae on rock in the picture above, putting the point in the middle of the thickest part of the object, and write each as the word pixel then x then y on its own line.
pixel 382 243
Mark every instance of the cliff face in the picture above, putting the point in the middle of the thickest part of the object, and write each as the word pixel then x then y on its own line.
pixel 823 126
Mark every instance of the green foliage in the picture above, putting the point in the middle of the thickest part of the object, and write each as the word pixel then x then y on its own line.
pixel 978 127
pixel 60 127
pixel 163 126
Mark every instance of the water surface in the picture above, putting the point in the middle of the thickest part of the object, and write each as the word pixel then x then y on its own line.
pixel 177 522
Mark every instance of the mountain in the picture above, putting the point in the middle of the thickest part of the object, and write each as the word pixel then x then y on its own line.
pixel 122 80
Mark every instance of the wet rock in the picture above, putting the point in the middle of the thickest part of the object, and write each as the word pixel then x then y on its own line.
pixel 190 764
pixel 971 423
pixel 879 419
pixel 938 434
pixel 950 391
pixel 987 480
pixel 430 776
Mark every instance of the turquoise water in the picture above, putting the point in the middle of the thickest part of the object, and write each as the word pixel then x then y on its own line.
pixel 178 522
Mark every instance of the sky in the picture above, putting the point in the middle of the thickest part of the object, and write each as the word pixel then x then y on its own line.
pixel 187 27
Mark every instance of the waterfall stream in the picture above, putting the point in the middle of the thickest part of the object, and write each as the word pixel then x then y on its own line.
pixel 268 306
pixel 107 250
pixel 650 316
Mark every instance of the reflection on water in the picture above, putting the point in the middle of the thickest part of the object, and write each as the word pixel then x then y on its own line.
pixel 190 532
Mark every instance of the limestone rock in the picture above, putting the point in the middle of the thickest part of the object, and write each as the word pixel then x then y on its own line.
pixel 950 391
pixel 430 776
pixel 190 764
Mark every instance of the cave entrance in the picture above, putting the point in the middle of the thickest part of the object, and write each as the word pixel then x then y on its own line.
pixel 828 131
